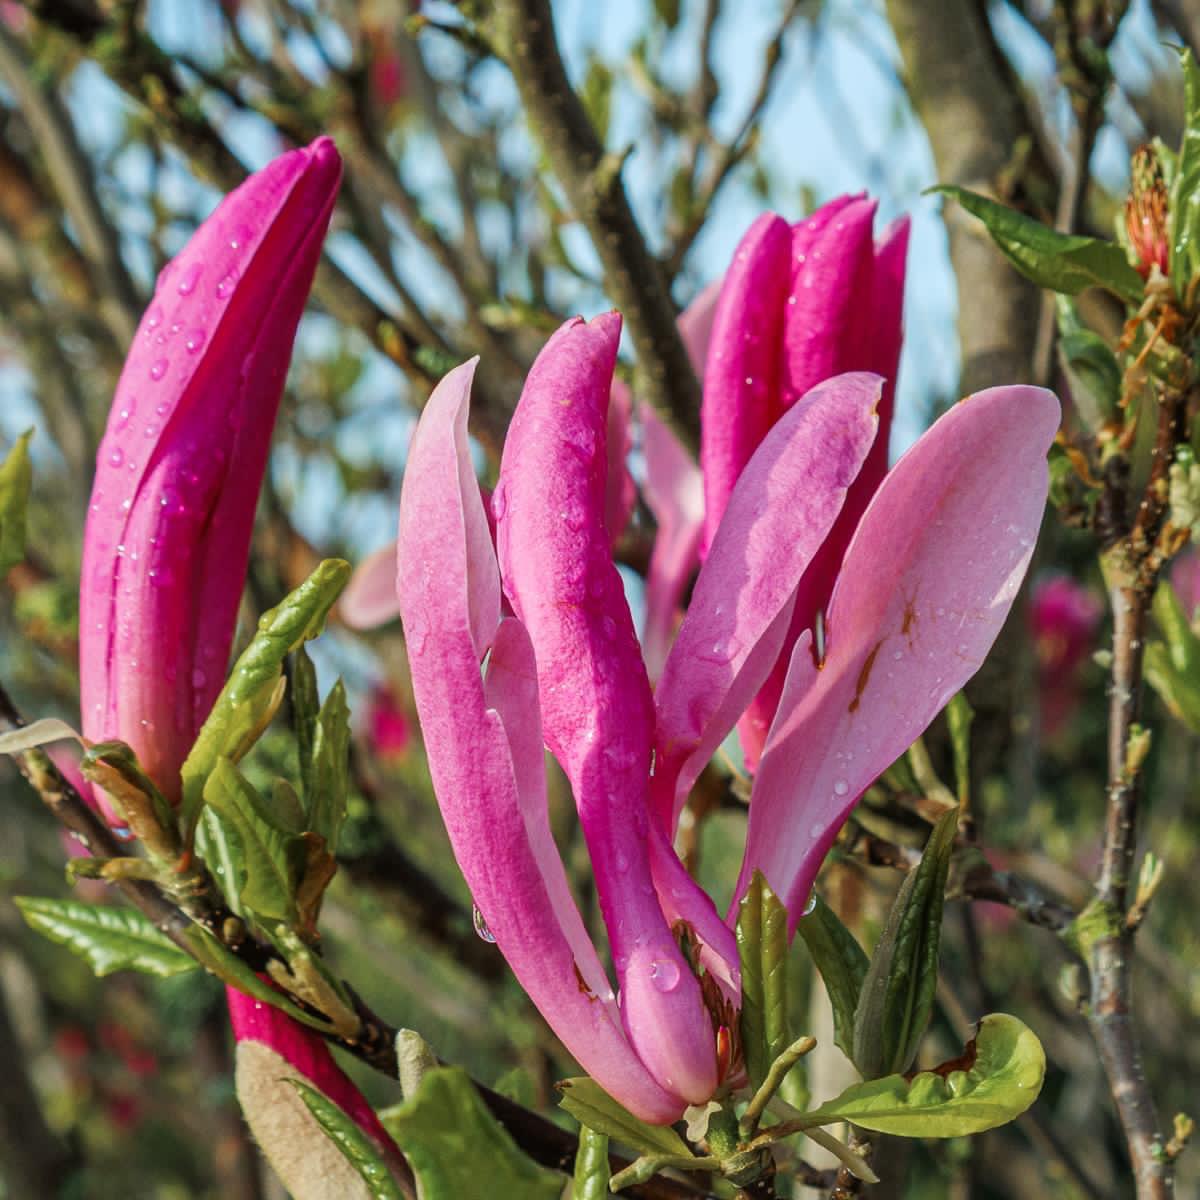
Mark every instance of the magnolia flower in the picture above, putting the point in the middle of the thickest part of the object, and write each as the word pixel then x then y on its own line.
pixel 386 723
pixel 923 590
pixel 1064 617
pixel 272 1050
pixel 182 459
pixel 799 305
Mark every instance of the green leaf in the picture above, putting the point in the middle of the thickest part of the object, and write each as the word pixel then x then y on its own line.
pixel 354 1144
pixel 592 1106
pixel 842 963
pixel 458 1150
pixel 959 715
pixel 110 938
pixel 16 480
pixel 1058 261
pixel 329 780
pixel 274 859
pixel 762 938
pixel 1172 666
pixel 306 704
pixel 1091 367
pixel 996 1080
pixel 898 991
pixel 1184 227
pixel 592 1172
pixel 254 689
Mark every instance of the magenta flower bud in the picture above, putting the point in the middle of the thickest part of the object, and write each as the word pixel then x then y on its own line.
pixel 182 459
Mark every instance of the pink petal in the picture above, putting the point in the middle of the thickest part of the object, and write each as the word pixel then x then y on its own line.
pixel 674 493
pixel 621 492
pixel 180 464
pixel 596 706
pixel 742 373
pixel 696 325
pixel 370 597
pixel 780 512
pixel 850 345
pixel 927 584
pixel 485 753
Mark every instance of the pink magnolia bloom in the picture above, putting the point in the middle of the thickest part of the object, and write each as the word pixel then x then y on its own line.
pixel 1064 617
pixel 386 723
pixel 925 585
pixel 182 460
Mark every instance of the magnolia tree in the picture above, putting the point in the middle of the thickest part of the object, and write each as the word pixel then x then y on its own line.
pixel 688 795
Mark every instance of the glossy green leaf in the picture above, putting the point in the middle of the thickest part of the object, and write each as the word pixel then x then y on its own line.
pixel 1184 227
pixel 329 780
pixel 273 858
pixel 1090 365
pixel 592 1172
pixel 762 938
pixel 16 480
pixel 842 963
pixel 959 715
pixel 306 704
pixel 898 990
pixel 359 1150
pixel 996 1080
pixel 111 938
pixel 592 1106
pixel 254 688
pixel 1058 261
pixel 458 1150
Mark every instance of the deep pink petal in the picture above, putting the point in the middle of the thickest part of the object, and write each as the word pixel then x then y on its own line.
pixel 927 583
pixel 696 325
pixel 780 512
pixel 180 464
pixel 742 373
pixel 596 705
pixel 485 755
pixel 674 493
pixel 370 597
pixel 620 492
pixel 859 336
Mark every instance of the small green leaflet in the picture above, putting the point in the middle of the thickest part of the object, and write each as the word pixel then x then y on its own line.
pixel 762 939
pixel 1057 261
pixel 1184 232
pixel 16 480
pixel 329 778
pixel 898 990
pixel 592 1106
pixel 110 938
pixel 1173 664
pixel 254 689
pixel 996 1080
pixel 842 964
pixel 358 1149
pixel 592 1172
pixel 959 715
pixel 458 1150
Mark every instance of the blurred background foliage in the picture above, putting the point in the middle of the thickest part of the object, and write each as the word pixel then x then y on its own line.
pixel 121 123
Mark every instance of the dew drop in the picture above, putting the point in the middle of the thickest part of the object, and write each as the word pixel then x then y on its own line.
pixel 664 974
pixel 500 502
pixel 622 862
pixel 199 679
pixel 158 369
pixel 187 284
pixel 153 319
pixel 226 285
pixel 841 787
pixel 815 830
pixel 810 905
pixel 481 925
pixel 117 457
pixel 194 341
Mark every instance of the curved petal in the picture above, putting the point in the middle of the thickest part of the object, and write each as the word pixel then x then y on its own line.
pixel 696 325
pixel 370 597
pixel 598 721
pixel 780 512
pixel 484 752
pixel 853 345
pixel 742 372
pixel 674 493
pixel 620 492
pixel 926 586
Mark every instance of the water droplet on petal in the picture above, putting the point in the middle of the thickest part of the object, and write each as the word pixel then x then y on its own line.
pixel 841 787
pixel 664 974
pixel 189 279
pixel 195 339
pixel 226 285
pixel 158 369
pixel 117 457
pixel 481 925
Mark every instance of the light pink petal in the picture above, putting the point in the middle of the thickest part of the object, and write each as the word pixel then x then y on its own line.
pixel 851 346
pixel 484 752
pixel 696 325
pixel 182 458
pixel 742 372
pixel 596 706
pixel 620 492
pixel 927 584
pixel 780 512
pixel 370 597
pixel 674 493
